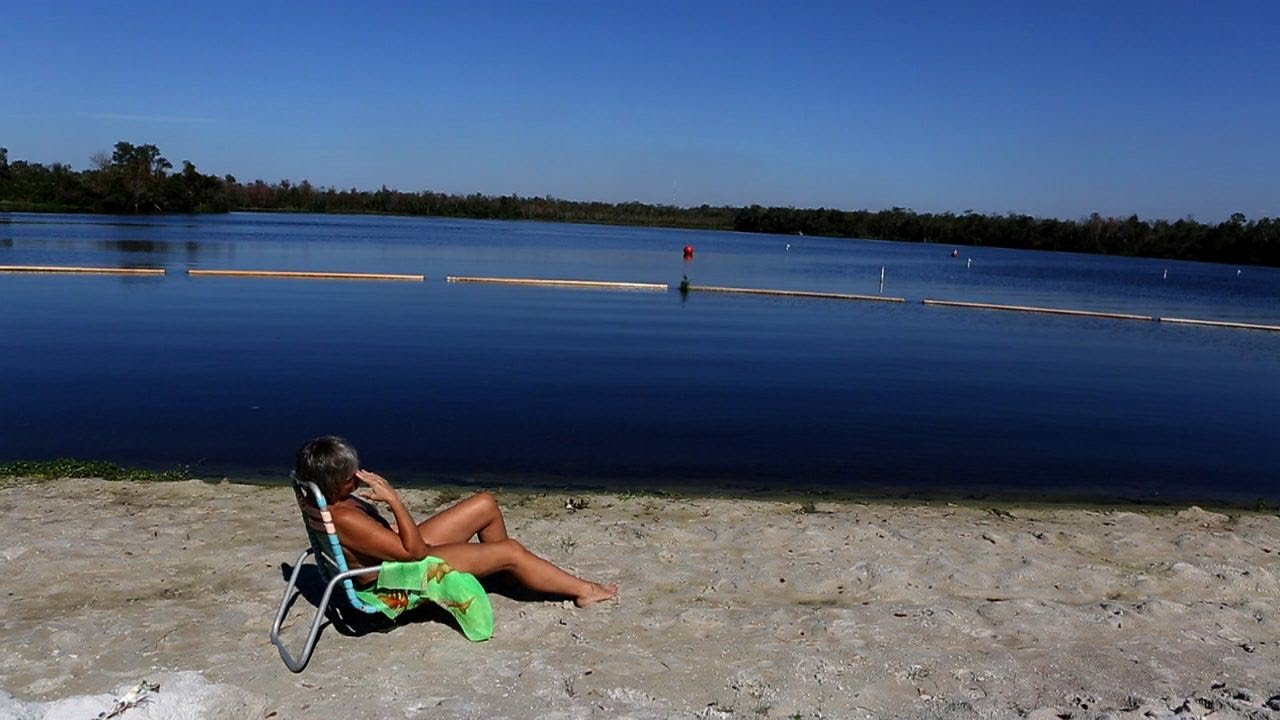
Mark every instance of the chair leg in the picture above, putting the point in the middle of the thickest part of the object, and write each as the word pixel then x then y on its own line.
pixel 296 665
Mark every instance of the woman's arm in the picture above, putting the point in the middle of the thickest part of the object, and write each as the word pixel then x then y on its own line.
pixel 364 535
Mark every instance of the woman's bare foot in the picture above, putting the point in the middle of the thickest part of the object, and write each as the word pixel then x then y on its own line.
pixel 597 593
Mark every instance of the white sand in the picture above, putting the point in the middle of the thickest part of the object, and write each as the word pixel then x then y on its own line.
pixel 729 609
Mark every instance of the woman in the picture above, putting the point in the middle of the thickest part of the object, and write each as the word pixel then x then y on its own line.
pixel 368 539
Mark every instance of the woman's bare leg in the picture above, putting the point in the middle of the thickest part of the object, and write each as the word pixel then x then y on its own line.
pixel 477 515
pixel 529 570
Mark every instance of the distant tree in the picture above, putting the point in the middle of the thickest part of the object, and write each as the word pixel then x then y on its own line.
pixel 139 170
pixel 189 191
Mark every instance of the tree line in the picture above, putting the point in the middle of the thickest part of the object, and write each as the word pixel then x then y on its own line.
pixel 133 179
pixel 137 179
pixel 1237 240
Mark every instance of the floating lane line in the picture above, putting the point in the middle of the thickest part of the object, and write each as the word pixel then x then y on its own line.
pixel 79 270
pixel 794 293
pixel 1033 309
pixel 304 275
pixel 593 284
pixel 1220 323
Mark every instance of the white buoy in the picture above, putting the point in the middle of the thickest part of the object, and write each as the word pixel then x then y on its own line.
pixel 968 264
pixel 882 278
pixel 788 246
pixel 1166 273
pixel 1237 273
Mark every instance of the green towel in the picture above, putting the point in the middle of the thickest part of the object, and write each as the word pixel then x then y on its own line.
pixel 404 586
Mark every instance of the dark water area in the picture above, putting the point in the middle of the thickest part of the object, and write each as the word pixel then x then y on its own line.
pixel 523 386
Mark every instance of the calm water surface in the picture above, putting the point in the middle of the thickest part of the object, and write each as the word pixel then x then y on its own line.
pixel 524 385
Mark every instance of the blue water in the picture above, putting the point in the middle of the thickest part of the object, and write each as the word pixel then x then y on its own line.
pixel 523 385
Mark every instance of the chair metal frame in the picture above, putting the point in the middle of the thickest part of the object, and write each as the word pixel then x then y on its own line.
pixel 331 564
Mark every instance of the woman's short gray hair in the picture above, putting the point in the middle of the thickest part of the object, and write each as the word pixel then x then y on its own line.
pixel 328 462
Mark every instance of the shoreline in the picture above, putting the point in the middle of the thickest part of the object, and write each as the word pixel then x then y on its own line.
pixel 882 495
pixel 889 497
pixel 1081 496
pixel 730 608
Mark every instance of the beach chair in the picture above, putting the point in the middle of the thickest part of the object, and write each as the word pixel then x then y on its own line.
pixel 331 564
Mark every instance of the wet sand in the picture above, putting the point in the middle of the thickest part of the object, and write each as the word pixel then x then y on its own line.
pixel 729 609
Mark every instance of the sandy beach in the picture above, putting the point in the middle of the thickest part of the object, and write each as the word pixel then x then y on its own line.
pixel 729 609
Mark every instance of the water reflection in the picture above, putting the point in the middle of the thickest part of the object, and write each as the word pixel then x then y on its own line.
pixel 136 246
pixel 73 250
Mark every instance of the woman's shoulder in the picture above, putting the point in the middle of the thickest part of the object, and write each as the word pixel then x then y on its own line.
pixel 354 506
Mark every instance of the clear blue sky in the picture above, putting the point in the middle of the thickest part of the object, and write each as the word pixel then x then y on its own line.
pixel 1163 108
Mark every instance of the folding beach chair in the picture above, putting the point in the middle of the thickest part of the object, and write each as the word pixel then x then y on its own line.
pixel 329 561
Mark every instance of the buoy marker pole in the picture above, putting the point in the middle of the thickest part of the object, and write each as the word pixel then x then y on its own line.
pixel 1220 323
pixel 69 270
pixel 794 293
pixel 307 275
pixel 544 282
pixel 1034 309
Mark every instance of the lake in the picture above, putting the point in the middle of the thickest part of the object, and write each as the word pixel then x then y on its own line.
pixel 524 386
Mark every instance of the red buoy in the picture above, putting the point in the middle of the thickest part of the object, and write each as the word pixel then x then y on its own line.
pixel 688 252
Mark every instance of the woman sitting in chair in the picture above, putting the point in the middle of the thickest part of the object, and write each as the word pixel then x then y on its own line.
pixel 368 539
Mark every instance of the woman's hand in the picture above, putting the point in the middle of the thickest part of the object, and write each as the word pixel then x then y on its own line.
pixel 412 546
pixel 379 489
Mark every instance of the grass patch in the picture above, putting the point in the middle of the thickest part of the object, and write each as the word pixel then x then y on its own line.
pixel 72 468
pixel 633 494
pixel 448 496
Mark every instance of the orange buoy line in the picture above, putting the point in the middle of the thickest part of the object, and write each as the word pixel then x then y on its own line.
pixel 1220 323
pixel 592 284
pixel 305 275
pixel 80 270
pixel 794 293
pixel 1033 309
